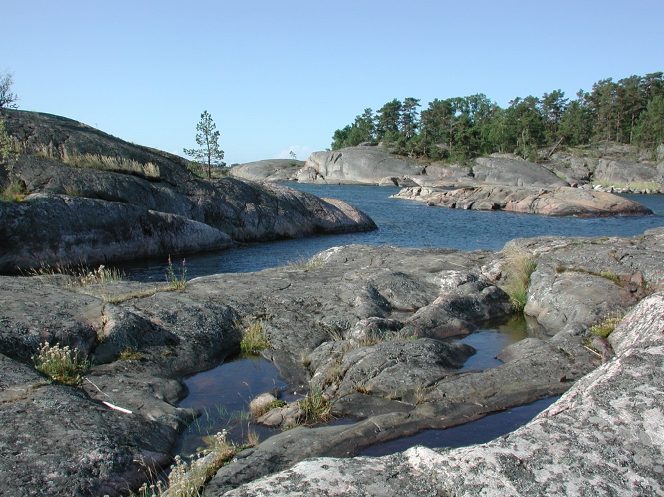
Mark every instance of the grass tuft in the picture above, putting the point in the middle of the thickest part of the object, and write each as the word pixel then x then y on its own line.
pixel 177 279
pixel 253 338
pixel 517 270
pixel 315 408
pixel 605 327
pixel 130 354
pixel 61 364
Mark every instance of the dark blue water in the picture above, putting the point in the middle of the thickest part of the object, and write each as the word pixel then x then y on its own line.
pixel 222 396
pixel 407 224
pixel 477 432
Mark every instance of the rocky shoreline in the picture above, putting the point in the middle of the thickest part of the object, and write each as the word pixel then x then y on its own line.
pixel 557 201
pixel 88 198
pixel 361 324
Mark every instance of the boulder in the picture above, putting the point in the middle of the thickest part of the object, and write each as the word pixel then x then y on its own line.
pixel 629 175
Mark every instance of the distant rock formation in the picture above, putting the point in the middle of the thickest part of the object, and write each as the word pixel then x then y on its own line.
pixel 558 201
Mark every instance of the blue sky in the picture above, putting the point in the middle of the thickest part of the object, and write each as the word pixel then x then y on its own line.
pixel 284 75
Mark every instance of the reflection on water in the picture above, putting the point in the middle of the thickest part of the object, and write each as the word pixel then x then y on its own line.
pixel 222 395
pixel 480 431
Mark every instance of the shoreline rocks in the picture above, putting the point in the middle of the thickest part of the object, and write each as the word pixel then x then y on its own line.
pixel 559 201
pixel 93 198
pixel 349 322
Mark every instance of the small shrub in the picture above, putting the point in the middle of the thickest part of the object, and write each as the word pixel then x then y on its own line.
pixel 605 327
pixel 315 408
pixel 176 279
pixel 61 364
pixel 15 191
pixel 253 339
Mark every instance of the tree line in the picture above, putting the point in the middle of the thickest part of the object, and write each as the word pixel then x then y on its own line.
pixel 630 110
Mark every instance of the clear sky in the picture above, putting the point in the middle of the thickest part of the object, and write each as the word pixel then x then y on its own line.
pixel 282 75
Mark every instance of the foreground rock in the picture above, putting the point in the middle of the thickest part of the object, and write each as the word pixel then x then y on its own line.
pixel 357 323
pixel 559 201
pixel 92 198
pixel 604 437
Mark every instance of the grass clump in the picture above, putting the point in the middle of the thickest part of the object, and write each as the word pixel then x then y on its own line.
pixel 517 270
pixel 81 275
pixel 186 479
pixel 315 408
pixel 130 354
pixel 177 279
pixel 253 339
pixel 61 364
pixel 307 264
pixel 605 327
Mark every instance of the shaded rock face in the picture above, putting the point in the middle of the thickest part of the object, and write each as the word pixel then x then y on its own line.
pixel 603 437
pixel 513 172
pixel 268 170
pixel 344 324
pixel 101 199
pixel 367 165
pixel 559 201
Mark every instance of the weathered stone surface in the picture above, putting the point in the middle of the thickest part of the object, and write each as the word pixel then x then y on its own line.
pixel 102 199
pixel 559 201
pixel 58 230
pixel 623 174
pixel 604 437
pixel 513 172
pixel 394 386
pixel 268 170
pixel 367 165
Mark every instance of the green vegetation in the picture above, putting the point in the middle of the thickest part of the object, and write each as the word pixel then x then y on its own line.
pixel 605 327
pixel 634 186
pixel 315 408
pixel 61 364
pixel 177 280
pixel 275 404
pixel 630 110
pixel 130 354
pixel 207 138
pixel 517 271
pixel 253 338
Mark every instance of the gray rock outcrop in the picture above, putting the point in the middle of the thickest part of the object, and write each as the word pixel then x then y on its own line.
pixel 95 199
pixel 514 172
pixel 268 170
pixel 557 201
pixel 342 321
pixel 603 437
pixel 365 165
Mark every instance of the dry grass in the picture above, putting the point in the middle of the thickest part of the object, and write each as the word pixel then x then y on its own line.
pixel 517 270
pixel 315 408
pixel 130 354
pixel 253 338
